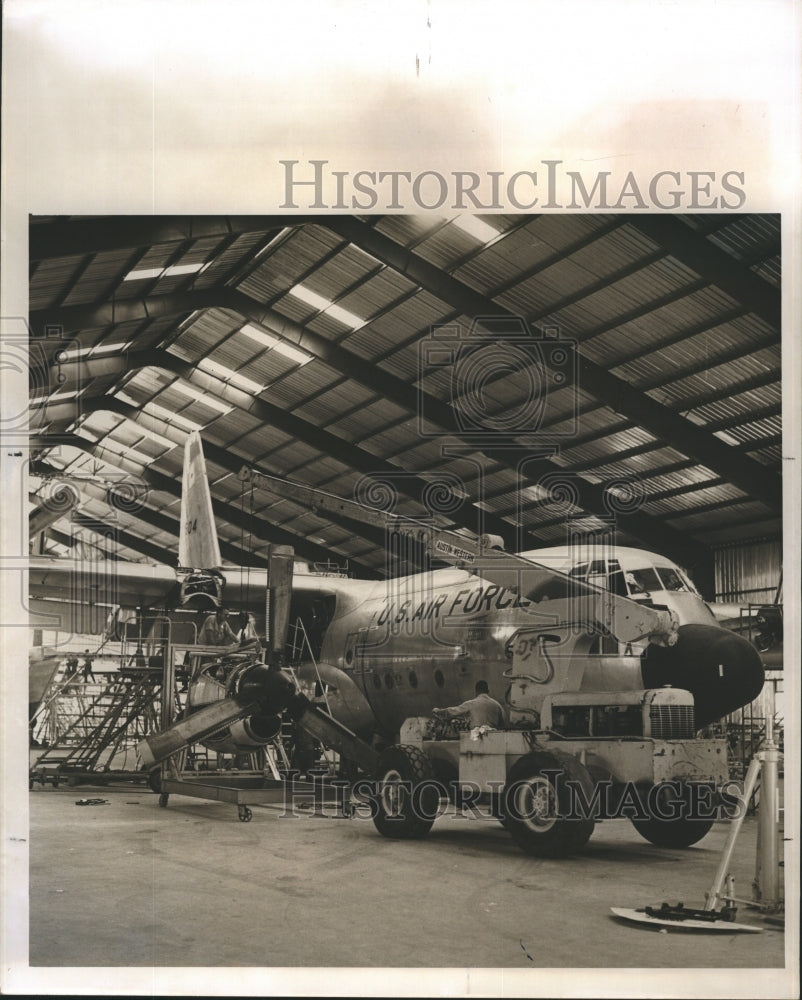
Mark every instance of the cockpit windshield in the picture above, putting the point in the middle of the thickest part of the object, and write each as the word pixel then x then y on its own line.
pixel 642 581
pixel 671 579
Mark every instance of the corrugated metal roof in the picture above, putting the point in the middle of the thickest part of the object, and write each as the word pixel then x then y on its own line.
pixel 51 279
pixel 633 307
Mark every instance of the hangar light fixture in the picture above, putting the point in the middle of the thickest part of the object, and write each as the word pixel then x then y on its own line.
pixel 726 437
pixel 228 375
pixel 477 228
pixel 273 343
pixel 109 349
pixel 172 271
pixel 56 396
pixel 92 352
pixel 328 307
pixel 201 397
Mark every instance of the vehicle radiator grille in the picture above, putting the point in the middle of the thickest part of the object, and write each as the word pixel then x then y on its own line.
pixel 672 722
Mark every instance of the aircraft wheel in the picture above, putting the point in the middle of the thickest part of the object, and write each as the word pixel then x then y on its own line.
pixel 245 814
pixel 539 809
pixel 155 780
pixel 164 798
pixel 407 794
pixel 678 831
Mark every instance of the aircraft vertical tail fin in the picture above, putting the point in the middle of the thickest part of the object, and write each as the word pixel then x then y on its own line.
pixel 198 547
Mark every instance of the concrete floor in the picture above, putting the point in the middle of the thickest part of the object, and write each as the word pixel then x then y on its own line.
pixel 130 884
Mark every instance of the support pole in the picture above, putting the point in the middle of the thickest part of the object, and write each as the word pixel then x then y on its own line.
pixel 712 897
pixel 766 889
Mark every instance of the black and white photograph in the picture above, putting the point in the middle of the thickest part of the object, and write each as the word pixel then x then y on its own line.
pixel 400 551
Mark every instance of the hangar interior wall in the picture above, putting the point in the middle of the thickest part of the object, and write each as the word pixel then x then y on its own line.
pixel 749 572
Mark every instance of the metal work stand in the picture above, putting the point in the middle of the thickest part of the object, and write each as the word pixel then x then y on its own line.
pixel 273 783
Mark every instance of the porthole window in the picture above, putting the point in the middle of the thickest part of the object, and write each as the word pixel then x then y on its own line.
pixel 388 681
pixel 413 679
pixel 438 678
pixel 349 656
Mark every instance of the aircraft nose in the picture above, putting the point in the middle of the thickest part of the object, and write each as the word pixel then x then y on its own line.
pixel 722 670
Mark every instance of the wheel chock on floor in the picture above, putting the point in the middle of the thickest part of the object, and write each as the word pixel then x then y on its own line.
pixel 684 918
pixel 91 802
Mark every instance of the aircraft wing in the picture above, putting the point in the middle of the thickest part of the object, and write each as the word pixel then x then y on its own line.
pixel 100 581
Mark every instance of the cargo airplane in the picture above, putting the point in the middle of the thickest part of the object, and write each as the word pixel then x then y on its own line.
pixel 566 657
pixel 388 650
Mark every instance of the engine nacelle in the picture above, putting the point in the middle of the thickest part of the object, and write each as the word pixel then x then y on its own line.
pixel 246 735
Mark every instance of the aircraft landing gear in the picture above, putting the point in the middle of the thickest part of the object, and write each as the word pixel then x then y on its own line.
pixel 164 798
pixel 245 814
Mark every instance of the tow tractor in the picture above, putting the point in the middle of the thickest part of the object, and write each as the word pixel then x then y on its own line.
pixel 596 755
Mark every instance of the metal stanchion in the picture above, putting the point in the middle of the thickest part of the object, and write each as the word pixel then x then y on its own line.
pixel 766 886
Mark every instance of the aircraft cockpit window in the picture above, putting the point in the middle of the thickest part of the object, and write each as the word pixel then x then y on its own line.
pixel 671 579
pixel 581 570
pixel 597 566
pixel 642 581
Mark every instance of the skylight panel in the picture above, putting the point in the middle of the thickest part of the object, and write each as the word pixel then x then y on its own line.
pixel 274 343
pixel 150 435
pixel 150 409
pixel 201 397
pixel 172 271
pixel 237 379
pixel 259 336
pixel 180 422
pixel 326 306
pixel 84 432
pixel 476 227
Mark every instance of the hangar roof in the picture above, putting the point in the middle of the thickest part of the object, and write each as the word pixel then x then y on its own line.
pixel 535 376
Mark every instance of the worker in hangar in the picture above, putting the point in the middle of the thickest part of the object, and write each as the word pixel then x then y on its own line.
pixel 216 631
pixel 481 710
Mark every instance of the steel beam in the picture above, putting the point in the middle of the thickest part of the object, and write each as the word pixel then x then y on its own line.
pixel 674 430
pixel 91 235
pixel 713 264
pixel 351 456
pixel 590 497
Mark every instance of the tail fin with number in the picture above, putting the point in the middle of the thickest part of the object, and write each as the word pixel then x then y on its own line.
pixel 198 547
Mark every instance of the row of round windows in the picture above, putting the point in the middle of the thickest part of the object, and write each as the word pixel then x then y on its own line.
pixel 391 679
